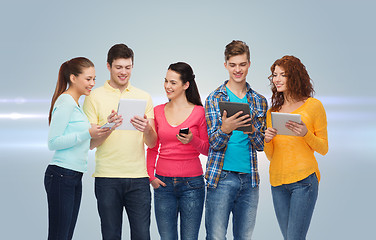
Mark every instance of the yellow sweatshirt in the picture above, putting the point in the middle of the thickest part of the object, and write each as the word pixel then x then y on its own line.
pixel 292 158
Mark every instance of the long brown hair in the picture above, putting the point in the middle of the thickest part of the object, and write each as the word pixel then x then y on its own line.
pixel 186 75
pixel 73 66
pixel 299 84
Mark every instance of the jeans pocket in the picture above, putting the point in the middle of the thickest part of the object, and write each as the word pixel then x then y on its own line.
pixel 308 180
pixel 223 175
pixel 68 177
pixel 303 184
pixel 48 178
pixel 67 173
pixel 195 182
pixel 159 187
pixel 102 182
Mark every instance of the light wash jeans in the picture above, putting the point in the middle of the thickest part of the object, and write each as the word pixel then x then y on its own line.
pixel 234 193
pixel 293 205
pixel 184 196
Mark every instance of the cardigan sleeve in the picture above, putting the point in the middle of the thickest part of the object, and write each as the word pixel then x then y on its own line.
pixel 269 147
pixel 152 153
pixel 201 142
pixel 318 138
pixel 61 116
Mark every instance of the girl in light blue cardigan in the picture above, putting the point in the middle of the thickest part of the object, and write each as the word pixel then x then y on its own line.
pixel 69 136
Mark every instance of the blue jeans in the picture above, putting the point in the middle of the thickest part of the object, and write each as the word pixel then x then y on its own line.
pixel 115 194
pixel 234 193
pixel 184 195
pixel 293 205
pixel 64 190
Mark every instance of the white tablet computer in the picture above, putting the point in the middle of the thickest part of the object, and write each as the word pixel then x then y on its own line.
pixel 128 108
pixel 279 121
pixel 234 107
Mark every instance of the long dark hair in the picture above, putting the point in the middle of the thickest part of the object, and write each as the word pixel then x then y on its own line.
pixel 299 84
pixel 186 75
pixel 73 66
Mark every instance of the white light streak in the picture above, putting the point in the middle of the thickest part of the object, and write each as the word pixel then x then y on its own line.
pixel 18 116
pixel 21 100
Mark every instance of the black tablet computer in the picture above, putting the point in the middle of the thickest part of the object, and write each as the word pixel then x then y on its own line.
pixel 234 107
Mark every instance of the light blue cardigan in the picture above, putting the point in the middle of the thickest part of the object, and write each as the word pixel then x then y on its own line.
pixel 69 135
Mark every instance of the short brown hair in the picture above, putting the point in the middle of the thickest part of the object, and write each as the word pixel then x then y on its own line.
pixel 237 47
pixel 119 51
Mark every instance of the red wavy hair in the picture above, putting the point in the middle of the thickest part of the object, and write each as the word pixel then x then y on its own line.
pixel 299 84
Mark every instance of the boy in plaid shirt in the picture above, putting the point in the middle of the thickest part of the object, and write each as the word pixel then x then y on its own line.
pixel 231 171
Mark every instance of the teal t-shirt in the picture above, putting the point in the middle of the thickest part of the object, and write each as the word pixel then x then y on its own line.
pixel 237 157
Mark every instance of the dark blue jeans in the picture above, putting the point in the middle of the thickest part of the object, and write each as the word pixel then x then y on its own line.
pixel 184 196
pixel 115 194
pixel 294 204
pixel 64 191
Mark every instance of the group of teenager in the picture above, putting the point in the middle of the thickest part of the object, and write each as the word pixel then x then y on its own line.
pixel 172 165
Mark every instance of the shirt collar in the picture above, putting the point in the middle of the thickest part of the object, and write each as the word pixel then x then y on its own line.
pixel 222 88
pixel 109 87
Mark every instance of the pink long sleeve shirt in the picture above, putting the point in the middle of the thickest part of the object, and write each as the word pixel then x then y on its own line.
pixel 170 157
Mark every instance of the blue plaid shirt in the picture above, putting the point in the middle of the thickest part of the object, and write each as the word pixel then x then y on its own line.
pixel 218 140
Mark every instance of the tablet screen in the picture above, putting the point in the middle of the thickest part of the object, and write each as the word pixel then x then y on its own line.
pixel 234 107
pixel 279 121
pixel 128 108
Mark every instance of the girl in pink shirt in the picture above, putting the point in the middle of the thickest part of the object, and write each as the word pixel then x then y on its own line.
pixel 174 166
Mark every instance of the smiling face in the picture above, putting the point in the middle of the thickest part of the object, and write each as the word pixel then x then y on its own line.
pixel 280 79
pixel 120 72
pixel 174 86
pixel 237 67
pixel 84 82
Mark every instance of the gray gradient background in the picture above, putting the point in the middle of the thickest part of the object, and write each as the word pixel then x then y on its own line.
pixel 334 39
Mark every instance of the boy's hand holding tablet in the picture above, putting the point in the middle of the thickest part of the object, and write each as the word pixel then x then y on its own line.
pixel 235 116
